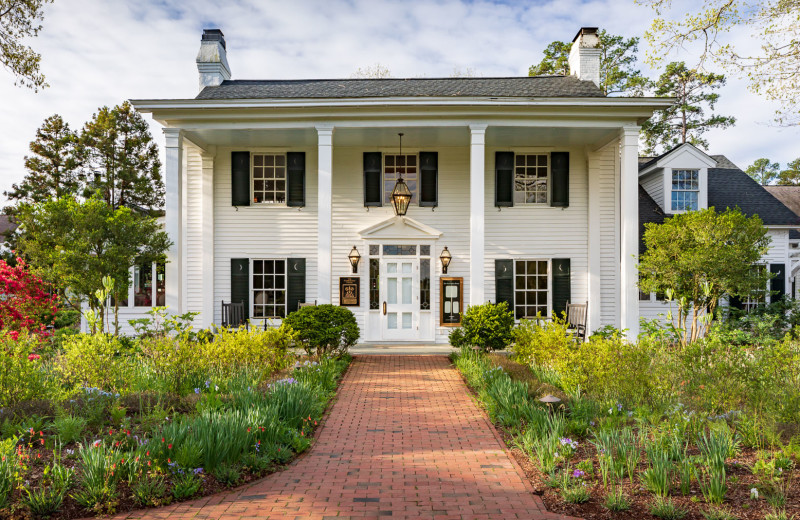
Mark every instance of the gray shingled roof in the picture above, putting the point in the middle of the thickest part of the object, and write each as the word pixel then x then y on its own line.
pixel 788 195
pixel 537 86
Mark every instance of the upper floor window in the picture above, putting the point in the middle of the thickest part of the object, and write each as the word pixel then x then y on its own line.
pixel 405 166
pixel 685 190
pixel 269 178
pixel 531 172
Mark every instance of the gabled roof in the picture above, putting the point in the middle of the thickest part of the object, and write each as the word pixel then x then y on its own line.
pixel 654 163
pixel 524 87
pixel 730 187
pixel 788 195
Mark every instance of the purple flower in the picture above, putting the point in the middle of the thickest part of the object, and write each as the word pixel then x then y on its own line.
pixel 578 473
pixel 197 390
pixel 197 471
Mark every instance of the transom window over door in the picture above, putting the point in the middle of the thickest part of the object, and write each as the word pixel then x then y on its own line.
pixel 530 288
pixel 395 166
pixel 269 288
pixel 685 190
pixel 531 172
pixel 269 178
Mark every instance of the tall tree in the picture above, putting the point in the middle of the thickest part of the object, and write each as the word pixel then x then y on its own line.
pixel 770 66
pixel 618 74
pixel 762 171
pixel 685 121
pixel 76 244
pixel 53 168
pixel 791 175
pixel 121 159
pixel 19 19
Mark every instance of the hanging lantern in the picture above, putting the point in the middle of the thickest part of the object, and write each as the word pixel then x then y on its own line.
pixel 401 195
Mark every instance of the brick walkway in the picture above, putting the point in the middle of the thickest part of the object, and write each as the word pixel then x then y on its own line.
pixel 403 440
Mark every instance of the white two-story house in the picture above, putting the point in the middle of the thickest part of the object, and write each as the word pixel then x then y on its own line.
pixel 404 199
pixel 685 179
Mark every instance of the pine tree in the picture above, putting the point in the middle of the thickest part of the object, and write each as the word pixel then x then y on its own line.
pixel 122 161
pixel 762 171
pixel 686 120
pixel 791 175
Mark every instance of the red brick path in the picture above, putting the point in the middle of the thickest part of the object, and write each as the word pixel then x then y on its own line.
pixel 403 440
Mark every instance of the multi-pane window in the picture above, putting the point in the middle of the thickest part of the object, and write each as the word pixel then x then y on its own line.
pixel 374 281
pixel 685 190
pixel 425 284
pixel 269 178
pixel 530 288
pixel 758 297
pixel 530 178
pixel 269 288
pixel 395 166
pixel 143 285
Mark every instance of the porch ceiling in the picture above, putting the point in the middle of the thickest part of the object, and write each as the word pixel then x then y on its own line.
pixel 414 137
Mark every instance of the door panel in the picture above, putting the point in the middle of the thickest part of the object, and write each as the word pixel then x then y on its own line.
pixel 400 292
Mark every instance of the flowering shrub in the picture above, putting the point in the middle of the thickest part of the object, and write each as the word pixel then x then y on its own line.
pixel 22 376
pixel 95 360
pixel 25 301
pixel 265 350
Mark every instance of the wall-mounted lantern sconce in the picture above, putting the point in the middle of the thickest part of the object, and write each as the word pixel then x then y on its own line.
pixel 445 257
pixel 354 258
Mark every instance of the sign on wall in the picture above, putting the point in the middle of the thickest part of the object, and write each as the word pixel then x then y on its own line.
pixel 452 301
pixel 349 291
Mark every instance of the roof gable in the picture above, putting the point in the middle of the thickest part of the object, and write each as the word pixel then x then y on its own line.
pixel 684 155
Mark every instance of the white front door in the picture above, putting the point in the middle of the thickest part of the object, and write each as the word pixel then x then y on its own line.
pixel 399 294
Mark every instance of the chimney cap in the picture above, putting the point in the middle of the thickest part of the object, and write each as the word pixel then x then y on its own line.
pixel 584 30
pixel 213 35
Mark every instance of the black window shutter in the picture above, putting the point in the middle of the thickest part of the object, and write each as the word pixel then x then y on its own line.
pixel 504 282
pixel 296 179
pixel 240 283
pixel 429 179
pixel 295 283
pixel 240 178
pixel 735 302
pixel 562 286
pixel 777 285
pixel 504 179
pixel 373 187
pixel 559 178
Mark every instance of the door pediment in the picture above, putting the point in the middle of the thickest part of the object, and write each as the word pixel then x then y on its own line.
pixel 400 228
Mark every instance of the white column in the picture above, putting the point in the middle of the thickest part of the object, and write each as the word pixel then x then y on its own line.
pixel 595 294
pixel 629 230
pixel 324 211
pixel 477 241
pixel 173 173
pixel 207 229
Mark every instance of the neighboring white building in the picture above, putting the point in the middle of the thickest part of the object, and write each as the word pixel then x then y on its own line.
pixel 531 183
pixel 684 179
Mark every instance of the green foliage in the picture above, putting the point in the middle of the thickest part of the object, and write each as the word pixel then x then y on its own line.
pixel 616 500
pixel 325 330
pixel 19 21
pixel 576 494
pixel 228 475
pixel 97 488
pixel 698 257
pixel 539 343
pixel 666 509
pixel 486 326
pixel 22 375
pixel 791 175
pixel 718 513
pixel 763 171
pixel 94 360
pixel 8 474
pixel 617 64
pixel 185 485
pixel 150 491
pixel 264 350
pixel 76 244
pixel 685 121
pixel 69 428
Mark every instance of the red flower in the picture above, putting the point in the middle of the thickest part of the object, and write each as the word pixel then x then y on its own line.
pixel 169 446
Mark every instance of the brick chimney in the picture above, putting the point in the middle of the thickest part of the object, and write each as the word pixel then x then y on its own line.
pixel 212 60
pixel 584 56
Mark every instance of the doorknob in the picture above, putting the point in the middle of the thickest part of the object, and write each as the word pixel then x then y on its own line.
pixel 384 308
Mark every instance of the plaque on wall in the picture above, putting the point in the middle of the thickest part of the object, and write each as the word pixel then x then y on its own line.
pixel 349 291
pixel 451 295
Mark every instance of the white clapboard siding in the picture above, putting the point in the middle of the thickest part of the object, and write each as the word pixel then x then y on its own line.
pixel 261 231
pixel 540 231
pixel 605 165
pixel 194 232
pixel 653 184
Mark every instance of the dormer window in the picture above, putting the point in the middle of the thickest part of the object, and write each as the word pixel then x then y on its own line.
pixel 685 190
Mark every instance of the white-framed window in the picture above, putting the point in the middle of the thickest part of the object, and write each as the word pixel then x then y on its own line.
pixel 757 298
pixel 531 288
pixel 685 190
pixel 405 166
pixel 269 288
pixel 531 175
pixel 142 291
pixel 269 178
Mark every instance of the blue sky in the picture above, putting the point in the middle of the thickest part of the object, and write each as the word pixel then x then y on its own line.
pixel 101 52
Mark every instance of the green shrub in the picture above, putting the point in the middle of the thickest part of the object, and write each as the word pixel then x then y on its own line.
pixel 22 372
pixel 666 509
pixel 8 471
pixel 98 486
pixel 541 343
pixel 95 360
pixel 232 350
pixel 185 485
pixel 486 326
pixel 150 491
pixel 324 330
pixel 228 474
pixel 69 428
pixel 176 363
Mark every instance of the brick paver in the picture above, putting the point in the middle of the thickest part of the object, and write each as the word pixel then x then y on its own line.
pixel 403 440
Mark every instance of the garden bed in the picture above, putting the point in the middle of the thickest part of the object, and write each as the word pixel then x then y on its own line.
pixel 582 450
pixel 110 425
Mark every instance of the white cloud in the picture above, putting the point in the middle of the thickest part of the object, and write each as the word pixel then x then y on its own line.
pixel 100 52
